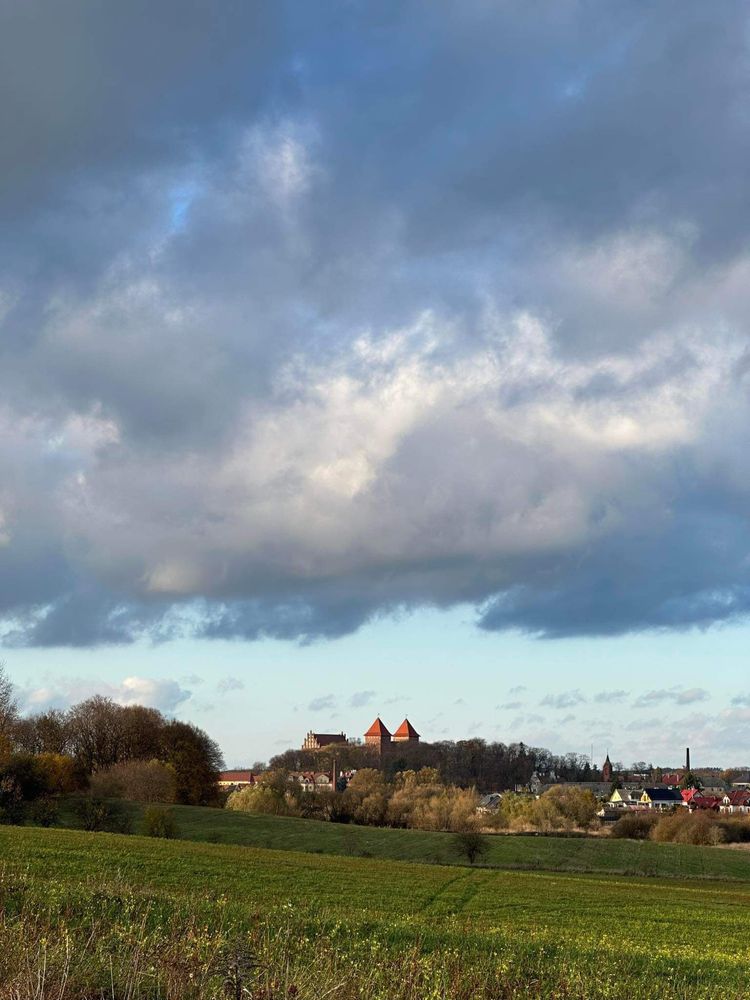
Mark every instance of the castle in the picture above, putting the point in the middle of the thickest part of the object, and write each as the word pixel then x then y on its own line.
pixel 378 737
pixel 381 740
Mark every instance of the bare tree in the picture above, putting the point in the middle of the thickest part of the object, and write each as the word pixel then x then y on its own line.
pixel 8 704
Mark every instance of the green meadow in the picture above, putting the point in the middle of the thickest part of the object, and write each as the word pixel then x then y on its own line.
pixel 548 853
pixel 125 916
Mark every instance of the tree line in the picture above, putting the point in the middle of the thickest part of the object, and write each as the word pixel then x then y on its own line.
pixel 473 763
pixel 54 751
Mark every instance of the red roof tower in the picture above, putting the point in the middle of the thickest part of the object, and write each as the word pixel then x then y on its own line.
pixel 377 736
pixel 406 733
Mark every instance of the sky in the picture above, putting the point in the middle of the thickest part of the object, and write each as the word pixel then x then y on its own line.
pixel 389 357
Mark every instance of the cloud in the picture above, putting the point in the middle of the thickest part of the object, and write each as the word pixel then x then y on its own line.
pixel 741 700
pixel 324 703
pixel 227 684
pixel 250 389
pixel 676 695
pixel 361 698
pixel 565 699
pixel 163 694
pixel 511 705
pixel 610 697
pixel 517 689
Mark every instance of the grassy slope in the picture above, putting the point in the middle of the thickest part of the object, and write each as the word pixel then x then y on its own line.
pixel 221 826
pixel 650 931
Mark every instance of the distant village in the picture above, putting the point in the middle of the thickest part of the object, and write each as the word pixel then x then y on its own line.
pixel 617 789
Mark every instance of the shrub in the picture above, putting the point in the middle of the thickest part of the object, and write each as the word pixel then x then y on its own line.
pixel 735 829
pixel 98 815
pixel 137 781
pixel 262 799
pixel 683 827
pixel 470 845
pixel 44 812
pixel 160 822
pixel 634 826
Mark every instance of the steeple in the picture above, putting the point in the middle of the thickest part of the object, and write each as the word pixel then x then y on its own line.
pixel 607 770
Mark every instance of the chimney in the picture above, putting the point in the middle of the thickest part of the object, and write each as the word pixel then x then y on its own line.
pixel 687 760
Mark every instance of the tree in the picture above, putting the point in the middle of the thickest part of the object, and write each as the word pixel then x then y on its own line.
pixel 196 759
pixel 470 844
pixel 8 704
pixel 97 732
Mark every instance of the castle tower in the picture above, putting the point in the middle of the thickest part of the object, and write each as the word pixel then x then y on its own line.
pixel 406 733
pixel 607 770
pixel 378 737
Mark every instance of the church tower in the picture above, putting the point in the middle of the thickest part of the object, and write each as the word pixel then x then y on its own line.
pixel 607 770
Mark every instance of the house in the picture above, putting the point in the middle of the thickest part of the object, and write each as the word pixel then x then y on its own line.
pixel 626 798
pixel 672 777
pixel 736 801
pixel 662 798
pixel 710 803
pixel 490 803
pixel 314 781
pixel 321 741
pixel 231 780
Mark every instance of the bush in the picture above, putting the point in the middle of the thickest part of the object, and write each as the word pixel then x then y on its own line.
pixel 470 845
pixel 634 826
pixel 137 781
pixel 735 829
pixel 160 822
pixel 683 827
pixel 44 812
pixel 98 815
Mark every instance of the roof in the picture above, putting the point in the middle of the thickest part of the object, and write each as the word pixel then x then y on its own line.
pixel 738 798
pixel 406 729
pixel 324 738
pixel 238 775
pixel 663 794
pixel 377 729
pixel 706 801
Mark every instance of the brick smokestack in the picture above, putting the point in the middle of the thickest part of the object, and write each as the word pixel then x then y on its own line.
pixel 687 760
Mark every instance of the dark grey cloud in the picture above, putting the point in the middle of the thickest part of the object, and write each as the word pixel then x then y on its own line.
pixel 318 316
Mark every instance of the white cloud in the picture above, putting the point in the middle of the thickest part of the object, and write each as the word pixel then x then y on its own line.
pixel 163 694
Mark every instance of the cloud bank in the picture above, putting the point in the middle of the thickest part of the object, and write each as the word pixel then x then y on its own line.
pixel 321 316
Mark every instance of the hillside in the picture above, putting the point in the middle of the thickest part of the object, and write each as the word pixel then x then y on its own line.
pixel 572 854
pixel 377 928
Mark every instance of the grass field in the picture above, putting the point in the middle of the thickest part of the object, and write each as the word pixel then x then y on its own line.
pixel 574 854
pixel 176 919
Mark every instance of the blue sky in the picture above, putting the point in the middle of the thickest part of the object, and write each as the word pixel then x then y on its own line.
pixel 392 341
pixel 640 696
